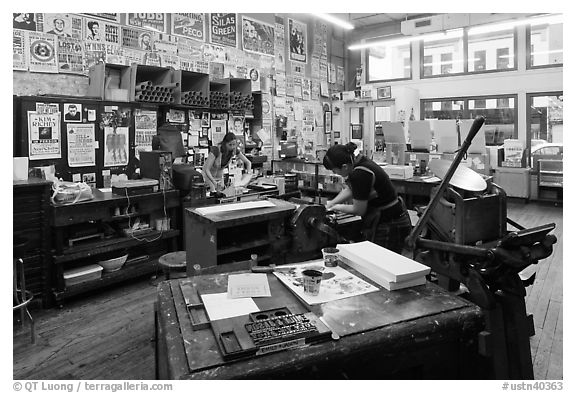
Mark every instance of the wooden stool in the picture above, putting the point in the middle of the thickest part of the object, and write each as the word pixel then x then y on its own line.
pixel 173 263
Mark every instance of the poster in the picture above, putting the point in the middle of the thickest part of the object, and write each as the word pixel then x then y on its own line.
pixel 223 29
pixel 116 146
pixel 306 93
pixel 94 53
pixel 214 53
pixel 115 54
pixel 298 48
pixel 279 44
pixel 337 283
pixel 145 124
pixel 93 30
pixel 175 116
pixel 189 25
pixel 62 25
pixel 218 130
pixel 25 21
pixel 72 113
pixel 112 33
pixel 19 59
pixel 137 39
pixel 165 43
pixel 257 37
pixel 42 54
pixel 44 136
pixel 115 17
pixel 254 75
pixel 81 147
pixel 155 20
pixel 70 56
pixel 47 108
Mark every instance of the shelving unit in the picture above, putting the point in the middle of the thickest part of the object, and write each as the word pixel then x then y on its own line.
pixel 550 180
pixel 99 216
pixel 193 88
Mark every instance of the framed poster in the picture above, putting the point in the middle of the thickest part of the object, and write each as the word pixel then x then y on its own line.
pixel 327 122
pixel 384 92
pixel 356 131
pixel 257 37
pixel 190 25
pixel 297 31
pixel 223 29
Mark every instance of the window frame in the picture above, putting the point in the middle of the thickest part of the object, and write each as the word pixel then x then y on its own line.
pixel 529 65
pixel 464 59
pixel 466 110
pixel 529 97
pixel 367 62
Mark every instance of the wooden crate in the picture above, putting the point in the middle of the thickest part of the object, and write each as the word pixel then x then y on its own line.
pixel 111 82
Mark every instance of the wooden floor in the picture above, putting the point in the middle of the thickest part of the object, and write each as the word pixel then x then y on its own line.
pixel 109 335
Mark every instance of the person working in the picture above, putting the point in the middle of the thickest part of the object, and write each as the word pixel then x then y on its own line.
pixel 385 220
pixel 218 159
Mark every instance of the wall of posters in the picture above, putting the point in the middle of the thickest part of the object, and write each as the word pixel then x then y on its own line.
pixel 81 149
pixel 223 29
pixel 42 54
pixel 190 25
pixel 297 33
pixel 106 15
pixel 257 37
pixel 44 136
pixel 116 143
pixel 155 20
pixel 62 25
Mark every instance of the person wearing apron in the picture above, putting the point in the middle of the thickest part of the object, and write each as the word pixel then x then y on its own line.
pixel 385 220
pixel 218 159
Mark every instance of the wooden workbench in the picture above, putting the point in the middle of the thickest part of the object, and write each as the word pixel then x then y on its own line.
pixel 420 332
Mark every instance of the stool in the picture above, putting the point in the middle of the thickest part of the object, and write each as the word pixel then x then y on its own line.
pixel 173 263
pixel 21 296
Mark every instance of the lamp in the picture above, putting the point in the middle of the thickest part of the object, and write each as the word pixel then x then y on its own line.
pixel 338 22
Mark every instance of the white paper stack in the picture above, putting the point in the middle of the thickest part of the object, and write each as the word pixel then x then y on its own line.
pixel 387 268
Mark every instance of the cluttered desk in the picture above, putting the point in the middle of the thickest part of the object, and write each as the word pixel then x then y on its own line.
pixel 334 323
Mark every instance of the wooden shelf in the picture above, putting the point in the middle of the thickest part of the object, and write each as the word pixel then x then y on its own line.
pixel 127 272
pixel 243 246
pixel 108 245
pixel 550 184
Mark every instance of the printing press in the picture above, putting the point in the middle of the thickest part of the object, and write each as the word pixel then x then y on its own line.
pixel 463 236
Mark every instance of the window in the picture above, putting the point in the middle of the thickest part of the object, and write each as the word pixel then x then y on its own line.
pixel 546 117
pixel 390 62
pixel 491 51
pixel 444 56
pixel 500 113
pixel 546 45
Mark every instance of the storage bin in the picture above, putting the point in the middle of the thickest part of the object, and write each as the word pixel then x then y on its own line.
pixel 82 274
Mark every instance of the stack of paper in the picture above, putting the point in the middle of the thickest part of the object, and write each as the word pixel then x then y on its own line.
pixel 392 271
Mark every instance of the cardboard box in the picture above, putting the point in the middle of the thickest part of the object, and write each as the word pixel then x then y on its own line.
pixel 399 171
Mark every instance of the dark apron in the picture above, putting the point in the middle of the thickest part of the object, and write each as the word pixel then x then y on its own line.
pixel 387 226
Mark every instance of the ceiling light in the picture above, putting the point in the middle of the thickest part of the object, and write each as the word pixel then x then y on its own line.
pixel 444 35
pixel 334 20
pixel 491 28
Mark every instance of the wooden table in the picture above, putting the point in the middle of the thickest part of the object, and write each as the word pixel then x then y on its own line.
pixel 420 332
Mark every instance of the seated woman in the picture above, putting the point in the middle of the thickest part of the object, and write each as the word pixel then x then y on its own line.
pixel 385 220
pixel 218 159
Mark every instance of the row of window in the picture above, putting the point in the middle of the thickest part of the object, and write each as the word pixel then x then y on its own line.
pixel 464 52
pixel 545 115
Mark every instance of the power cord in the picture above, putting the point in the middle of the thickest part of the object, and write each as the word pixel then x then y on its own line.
pixel 165 220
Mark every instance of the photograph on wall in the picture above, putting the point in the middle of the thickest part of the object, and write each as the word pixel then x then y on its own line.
pixel 116 146
pixel 19 58
pixel 24 21
pixel 297 32
pixel 155 20
pixel 223 29
pixel 257 37
pixel 190 25
pixel 42 53
pixel 72 113
pixel 44 136
pixel 81 149
pixel 70 56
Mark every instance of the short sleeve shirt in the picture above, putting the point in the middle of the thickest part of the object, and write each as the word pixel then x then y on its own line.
pixel 369 182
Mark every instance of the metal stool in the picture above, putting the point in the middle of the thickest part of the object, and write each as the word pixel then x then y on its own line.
pixel 22 296
pixel 173 264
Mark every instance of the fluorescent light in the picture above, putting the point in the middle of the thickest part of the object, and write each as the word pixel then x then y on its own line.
pixel 338 22
pixel 443 35
pixel 491 28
